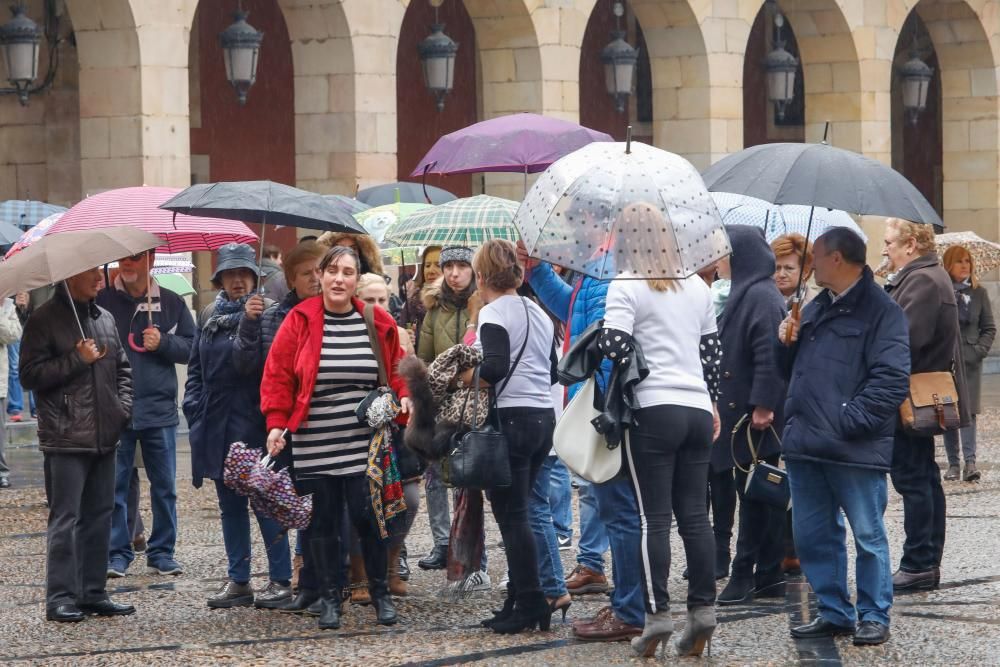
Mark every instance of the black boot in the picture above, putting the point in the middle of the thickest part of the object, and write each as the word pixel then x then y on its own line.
pixel 385 610
pixel 721 563
pixel 300 603
pixel 506 612
pixel 769 584
pixel 530 610
pixel 326 567
pixel 437 559
pixel 739 590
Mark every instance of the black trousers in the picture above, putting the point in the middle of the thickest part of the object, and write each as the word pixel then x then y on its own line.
pixel 529 440
pixel 667 455
pixel 917 478
pixel 329 541
pixel 722 497
pixel 760 543
pixel 81 500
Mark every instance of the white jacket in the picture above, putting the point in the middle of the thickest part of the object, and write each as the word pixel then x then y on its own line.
pixel 10 332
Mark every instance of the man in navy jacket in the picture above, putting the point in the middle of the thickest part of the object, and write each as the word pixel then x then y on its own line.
pixel 153 352
pixel 849 370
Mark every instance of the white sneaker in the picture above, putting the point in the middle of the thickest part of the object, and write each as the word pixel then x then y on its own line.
pixel 478 581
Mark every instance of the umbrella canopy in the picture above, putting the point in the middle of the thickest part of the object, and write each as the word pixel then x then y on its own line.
pixel 25 213
pixel 33 234
pixel 9 234
pixel 165 264
pixel 985 254
pixel 174 282
pixel 618 210
pixel 404 192
pixel 470 222
pixel 523 143
pixel 822 176
pixel 379 220
pixel 777 220
pixel 350 203
pixel 56 257
pixel 140 207
pixel 263 202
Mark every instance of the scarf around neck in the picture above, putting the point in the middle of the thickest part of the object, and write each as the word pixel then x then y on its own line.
pixel 456 300
pixel 226 314
pixel 964 300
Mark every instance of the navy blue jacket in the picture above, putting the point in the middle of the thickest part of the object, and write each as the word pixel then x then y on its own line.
pixel 254 337
pixel 154 376
pixel 221 404
pixel 750 374
pixel 849 373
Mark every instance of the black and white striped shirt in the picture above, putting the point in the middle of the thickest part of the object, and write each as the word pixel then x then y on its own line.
pixel 331 441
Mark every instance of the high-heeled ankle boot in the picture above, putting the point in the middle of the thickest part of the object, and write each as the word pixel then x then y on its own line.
pixel 530 610
pixel 506 611
pixel 697 632
pixel 656 632
pixel 329 591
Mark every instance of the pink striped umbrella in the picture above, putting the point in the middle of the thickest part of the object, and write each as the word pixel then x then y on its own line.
pixel 139 207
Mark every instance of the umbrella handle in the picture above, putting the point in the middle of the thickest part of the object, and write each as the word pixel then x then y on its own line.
pixel 132 344
pixel 423 181
pixel 796 314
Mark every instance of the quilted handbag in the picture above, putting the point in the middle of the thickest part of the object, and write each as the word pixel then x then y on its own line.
pixel 765 483
pixel 578 444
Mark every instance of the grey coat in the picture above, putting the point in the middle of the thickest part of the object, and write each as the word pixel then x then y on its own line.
pixel 977 339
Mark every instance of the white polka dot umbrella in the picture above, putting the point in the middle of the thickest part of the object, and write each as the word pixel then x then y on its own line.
pixel 623 210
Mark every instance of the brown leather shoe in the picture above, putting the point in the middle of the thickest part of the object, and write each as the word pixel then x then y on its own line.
pixel 915 581
pixel 599 617
pixel 791 566
pixel 609 629
pixel 583 580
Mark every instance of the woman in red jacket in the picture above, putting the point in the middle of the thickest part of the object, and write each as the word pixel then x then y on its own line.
pixel 322 364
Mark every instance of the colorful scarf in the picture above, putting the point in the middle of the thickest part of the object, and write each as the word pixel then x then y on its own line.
pixel 385 485
pixel 227 313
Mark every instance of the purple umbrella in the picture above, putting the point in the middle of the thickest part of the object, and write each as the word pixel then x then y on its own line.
pixel 523 143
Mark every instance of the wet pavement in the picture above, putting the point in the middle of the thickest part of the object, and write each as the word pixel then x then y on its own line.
pixel 956 624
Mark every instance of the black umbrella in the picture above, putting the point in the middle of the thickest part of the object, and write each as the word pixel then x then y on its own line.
pixel 404 193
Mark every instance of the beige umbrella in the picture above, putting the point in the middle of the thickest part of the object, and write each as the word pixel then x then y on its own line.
pixel 55 257
pixel 985 254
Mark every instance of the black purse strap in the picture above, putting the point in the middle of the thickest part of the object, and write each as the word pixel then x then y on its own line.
pixel 517 360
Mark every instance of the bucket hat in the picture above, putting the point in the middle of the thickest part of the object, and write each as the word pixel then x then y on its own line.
pixel 235 256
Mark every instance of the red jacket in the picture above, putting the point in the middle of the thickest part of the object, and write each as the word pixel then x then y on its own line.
pixel 293 362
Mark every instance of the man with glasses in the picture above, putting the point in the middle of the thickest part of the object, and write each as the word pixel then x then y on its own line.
pixel 156 329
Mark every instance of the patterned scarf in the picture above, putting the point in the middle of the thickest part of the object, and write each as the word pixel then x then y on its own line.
pixel 227 313
pixel 384 482
pixel 964 300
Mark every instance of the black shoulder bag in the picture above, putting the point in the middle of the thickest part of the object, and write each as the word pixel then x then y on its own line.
pixel 479 458
pixel 766 483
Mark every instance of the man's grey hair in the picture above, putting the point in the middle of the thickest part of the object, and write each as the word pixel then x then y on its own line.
pixel 845 241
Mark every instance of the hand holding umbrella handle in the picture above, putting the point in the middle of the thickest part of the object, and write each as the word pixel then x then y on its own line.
pixel 792 326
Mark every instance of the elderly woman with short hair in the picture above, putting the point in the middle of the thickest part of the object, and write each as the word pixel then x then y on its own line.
pixel 793 261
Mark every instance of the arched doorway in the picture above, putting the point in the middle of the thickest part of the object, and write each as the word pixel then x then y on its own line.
pixel 762 124
pixel 597 107
pixel 418 122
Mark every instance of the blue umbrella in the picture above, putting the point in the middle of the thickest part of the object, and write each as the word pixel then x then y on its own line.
pixel 777 220
pixel 403 192
pixel 25 213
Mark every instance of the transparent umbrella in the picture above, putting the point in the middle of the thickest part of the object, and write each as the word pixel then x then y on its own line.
pixel 623 210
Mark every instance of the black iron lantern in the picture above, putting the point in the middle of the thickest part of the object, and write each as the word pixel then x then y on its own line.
pixel 781 67
pixel 915 76
pixel 241 50
pixel 20 38
pixel 619 59
pixel 437 58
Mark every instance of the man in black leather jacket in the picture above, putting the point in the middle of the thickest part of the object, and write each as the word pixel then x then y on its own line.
pixel 84 392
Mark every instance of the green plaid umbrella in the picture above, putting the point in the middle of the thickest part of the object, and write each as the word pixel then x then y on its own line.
pixel 470 221
pixel 25 213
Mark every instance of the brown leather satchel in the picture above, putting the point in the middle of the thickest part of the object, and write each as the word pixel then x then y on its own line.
pixel 931 407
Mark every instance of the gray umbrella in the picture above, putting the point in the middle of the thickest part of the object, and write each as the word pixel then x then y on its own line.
pixel 405 193
pixel 820 175
pixel 9 233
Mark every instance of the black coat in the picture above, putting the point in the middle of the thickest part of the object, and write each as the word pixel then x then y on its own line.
pixel 849 373
pixel 923 289
pixel 82 408
pixel 747 328
pixel 254 337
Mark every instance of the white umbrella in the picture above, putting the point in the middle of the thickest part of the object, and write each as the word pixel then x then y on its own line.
pixel 777 220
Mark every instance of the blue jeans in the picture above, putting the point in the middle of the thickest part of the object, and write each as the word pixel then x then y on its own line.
pixel 550 572
pixel 619 513
pixel 561 500
pixel 15 392
pixel 236 534
pixel 593 537
pixel 819 492
pixel 159 456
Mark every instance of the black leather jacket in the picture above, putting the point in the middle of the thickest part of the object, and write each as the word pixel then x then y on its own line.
pixel 82 408
pixel 618 404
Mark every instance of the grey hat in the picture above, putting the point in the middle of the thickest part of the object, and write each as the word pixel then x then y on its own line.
pixel 235 256
pixel 455 253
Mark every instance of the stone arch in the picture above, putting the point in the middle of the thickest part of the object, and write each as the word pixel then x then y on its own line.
pixel 961 34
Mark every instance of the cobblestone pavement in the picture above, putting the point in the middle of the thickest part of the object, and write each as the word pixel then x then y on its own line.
pixel 956 624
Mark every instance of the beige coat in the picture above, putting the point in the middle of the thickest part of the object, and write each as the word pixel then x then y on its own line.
pixel 10 332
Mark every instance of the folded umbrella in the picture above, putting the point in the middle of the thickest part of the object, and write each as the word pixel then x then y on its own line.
pixel 622 210
pixel 470 221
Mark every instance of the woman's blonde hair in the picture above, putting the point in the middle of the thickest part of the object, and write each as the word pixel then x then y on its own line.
pixel 369 279
pixel 922 234
pixel 496 262
pixel 956 254
pixel 640 215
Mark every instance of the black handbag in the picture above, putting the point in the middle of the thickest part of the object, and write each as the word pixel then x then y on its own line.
pixel 766 483
pixel 479 458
